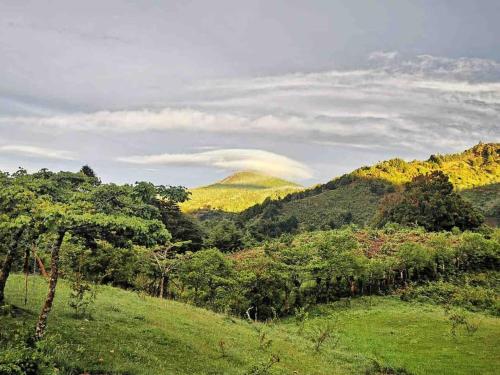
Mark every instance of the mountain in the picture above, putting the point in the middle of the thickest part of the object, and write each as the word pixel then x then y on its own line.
pixel 354 197
pixel 238 192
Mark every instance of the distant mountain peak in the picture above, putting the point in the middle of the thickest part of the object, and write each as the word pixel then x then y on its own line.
pixel 256 179
pixel 239 191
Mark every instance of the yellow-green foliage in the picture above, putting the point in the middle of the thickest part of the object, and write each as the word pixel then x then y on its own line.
pixel 238 192
pixel 472 168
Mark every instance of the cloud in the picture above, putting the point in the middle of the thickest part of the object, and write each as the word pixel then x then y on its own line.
pixel 421 103
pixel 34 151
pixel 229 159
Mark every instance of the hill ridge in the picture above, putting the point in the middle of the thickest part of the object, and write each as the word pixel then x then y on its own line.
pixel 354 197
pixel 483 160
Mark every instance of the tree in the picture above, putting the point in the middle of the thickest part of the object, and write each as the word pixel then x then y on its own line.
pixel 429 201
pixel 116 229
pixel 184 229
pixel 165 259
pixel 89 172
pixel 17 227
pixel 18 205
pixel 76 204
pixel 209 276
pixel 224 235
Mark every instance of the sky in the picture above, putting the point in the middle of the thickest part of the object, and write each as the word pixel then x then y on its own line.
pixel 187 92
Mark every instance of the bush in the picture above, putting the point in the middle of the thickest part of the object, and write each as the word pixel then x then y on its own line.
pixel 20 355
pixel 473 298
pixel 207 278
pixel 477 252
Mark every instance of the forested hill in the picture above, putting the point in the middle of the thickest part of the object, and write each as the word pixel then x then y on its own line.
pixel 354 197
pixel 238 192
pixel 475 167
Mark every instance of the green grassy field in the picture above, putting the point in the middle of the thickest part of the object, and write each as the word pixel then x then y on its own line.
pixel 130 334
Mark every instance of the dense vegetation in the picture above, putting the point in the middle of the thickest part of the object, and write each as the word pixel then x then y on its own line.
pixel 355 197
pixel 238 192
pixel 290 273
pixel 284 296
pixel 430 202
pixel 478 166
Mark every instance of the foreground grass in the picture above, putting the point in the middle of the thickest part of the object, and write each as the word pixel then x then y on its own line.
pixel 412 336
pixel 129 334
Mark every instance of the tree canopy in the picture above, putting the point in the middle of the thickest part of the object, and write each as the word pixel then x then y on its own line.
pixel 429 201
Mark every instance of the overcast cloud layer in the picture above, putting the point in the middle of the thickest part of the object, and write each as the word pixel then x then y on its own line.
pixel 309 125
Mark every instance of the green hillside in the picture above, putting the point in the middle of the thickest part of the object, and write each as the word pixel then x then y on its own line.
pixel 487 199
pixel 355 196
pixel 132 334
pixel 326 209
pixel 475 167
pixel 238 192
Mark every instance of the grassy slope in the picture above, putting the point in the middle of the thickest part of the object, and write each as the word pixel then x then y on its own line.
pixel 487 198
pixel 322 208
pixel 238 192
pixel 476 177
pixel 415 337
pixel 137 335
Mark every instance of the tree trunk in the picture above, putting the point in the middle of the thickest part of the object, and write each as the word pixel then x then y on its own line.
pixel 327 289
pixel 353 287
pixel 41 266
pixel 9 260
pixel 162 283
pixel 26 270
pixel 41 324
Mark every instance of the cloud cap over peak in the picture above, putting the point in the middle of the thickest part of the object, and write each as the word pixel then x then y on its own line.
pixel 231 160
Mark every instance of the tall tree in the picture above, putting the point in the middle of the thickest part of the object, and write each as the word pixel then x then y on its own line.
pixel 78 220
pixel 429 201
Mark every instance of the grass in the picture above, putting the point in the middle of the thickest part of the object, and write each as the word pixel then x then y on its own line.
pixel 315 211
pixel 130 334
pixel 238 192
pixel 413 336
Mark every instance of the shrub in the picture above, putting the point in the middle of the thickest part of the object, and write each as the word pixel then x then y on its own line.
pixel 264 368
pixel 477 252
pixel 20 355
pixel 472 298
